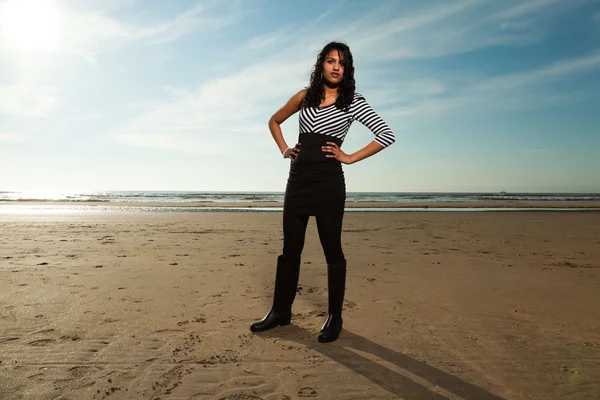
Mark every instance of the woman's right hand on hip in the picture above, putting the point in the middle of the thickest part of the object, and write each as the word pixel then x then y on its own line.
pixel 292 152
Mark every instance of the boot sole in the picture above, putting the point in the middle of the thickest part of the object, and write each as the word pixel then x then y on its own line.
pixel 328 338
pixel 269 327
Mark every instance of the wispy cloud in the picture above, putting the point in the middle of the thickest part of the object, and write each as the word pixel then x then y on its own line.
pixel 539 75
pixel 456 27
pixel 89 27
pixel 210 117
pixel 29 101
pixel 89 32
pixel 11 137
pixel 413 21
pixel 105 5
pixel 522 8
pixel 516 90
pixel 269 40
pixel 292 32
pixel 538 151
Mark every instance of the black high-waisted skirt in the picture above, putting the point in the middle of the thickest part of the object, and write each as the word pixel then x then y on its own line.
pixel 316 184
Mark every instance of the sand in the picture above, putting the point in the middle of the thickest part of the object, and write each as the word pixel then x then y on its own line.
pixel 454 305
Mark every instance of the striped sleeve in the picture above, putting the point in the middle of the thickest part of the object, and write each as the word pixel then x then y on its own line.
pixel 363 113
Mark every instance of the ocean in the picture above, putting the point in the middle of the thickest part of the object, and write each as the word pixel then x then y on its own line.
pixel 177 200
pixel 260 197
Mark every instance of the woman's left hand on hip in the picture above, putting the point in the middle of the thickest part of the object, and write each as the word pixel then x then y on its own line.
pixel 336 153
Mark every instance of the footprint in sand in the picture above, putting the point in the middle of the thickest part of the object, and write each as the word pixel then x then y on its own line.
pixel 515 339
pixel 171 379
pixel 37 378
pixel 313 360
pixel 350 305
pixel 244 339
pixel 41 342
pixel 240 396
pixel 79 371
pixel 106 240
pixel 168 330
pixel 307 392
pixel 73 338
pixel 314 313
pixel 110 391
pixel 44 331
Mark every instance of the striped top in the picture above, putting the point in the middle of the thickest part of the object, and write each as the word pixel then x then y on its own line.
pixel 331 121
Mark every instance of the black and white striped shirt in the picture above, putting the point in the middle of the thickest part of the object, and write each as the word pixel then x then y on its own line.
pixel 331 121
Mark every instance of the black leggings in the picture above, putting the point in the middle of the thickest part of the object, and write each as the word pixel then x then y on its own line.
pixel 329 227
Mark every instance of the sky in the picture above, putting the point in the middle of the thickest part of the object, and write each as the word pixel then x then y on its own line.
pixel 482 95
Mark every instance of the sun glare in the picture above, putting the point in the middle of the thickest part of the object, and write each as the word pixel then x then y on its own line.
pixel 31 25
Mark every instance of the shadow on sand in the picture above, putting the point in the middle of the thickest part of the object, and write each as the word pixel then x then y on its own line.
pixel 342 352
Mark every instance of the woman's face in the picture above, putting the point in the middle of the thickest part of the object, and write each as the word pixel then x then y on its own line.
pixel 333 70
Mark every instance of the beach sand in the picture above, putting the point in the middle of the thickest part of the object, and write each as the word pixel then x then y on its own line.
pixel 454 305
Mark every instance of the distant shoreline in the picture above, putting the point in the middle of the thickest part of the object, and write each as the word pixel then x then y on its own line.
pixel 349 205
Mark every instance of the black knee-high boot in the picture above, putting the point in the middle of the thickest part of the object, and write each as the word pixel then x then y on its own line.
pixel 286 284
pixel 336 285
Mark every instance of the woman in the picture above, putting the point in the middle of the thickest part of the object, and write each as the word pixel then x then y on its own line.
pixel 316 184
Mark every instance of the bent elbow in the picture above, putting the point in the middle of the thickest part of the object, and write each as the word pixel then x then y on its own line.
pixel 273 121
pixel 386 139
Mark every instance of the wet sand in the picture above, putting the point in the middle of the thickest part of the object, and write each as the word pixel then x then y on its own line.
pixel 455 305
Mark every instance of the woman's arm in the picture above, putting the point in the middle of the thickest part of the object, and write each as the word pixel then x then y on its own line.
pixel 384 137
pixel 363 113
pixel 336 152
pixel 290 108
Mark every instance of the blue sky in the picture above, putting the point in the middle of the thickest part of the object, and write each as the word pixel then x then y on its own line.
pixel 176 95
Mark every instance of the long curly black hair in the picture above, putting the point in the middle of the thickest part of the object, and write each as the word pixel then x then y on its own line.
pixel 316 91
